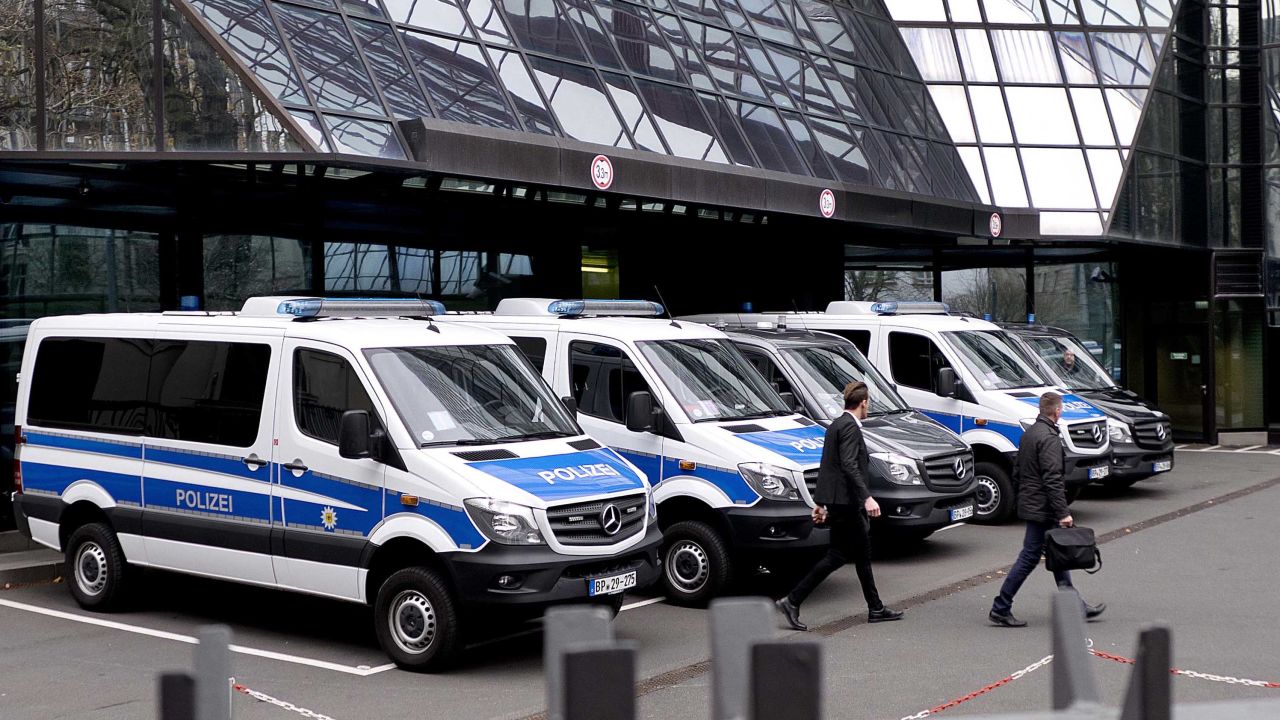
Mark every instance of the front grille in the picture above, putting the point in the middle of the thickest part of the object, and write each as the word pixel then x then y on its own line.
pixel 940 471
pixel 580 523
pixel 1083 435
pixel 1147 434
pixel 811 481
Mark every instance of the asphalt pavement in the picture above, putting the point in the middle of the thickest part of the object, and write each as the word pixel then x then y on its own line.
pixel 1210 569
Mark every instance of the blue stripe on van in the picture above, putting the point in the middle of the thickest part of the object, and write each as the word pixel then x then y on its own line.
pixel 89 445
pixel 730 483
pixel 207 463
pixel 954 423
pixel 650 465
pixel 303 512
pixel 57 478
pixel 565 476
pixel 802 445
pixel 455 521
pixel 213 501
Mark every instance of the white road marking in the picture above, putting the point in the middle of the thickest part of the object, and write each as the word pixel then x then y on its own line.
pixel 1211 447
pixel 642 603
pixel 1179 447
pixel 362 671
pixel 953 526
pixel 1251 447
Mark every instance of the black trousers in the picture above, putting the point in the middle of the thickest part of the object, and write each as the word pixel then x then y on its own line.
pixel 850 541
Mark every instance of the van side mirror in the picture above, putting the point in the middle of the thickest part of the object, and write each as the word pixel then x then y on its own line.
pixel 571 405
pixel 791 402
pixel 641 415
pixel 947 382
pixel 354 440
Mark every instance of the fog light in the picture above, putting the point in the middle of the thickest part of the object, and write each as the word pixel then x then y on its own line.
pixel 900 510
pixel 509 582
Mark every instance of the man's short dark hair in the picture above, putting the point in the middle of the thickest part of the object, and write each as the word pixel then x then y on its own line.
pixel 1049 402
pixel 855 393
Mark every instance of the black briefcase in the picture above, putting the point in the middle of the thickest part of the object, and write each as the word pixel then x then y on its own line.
pixel 1073 548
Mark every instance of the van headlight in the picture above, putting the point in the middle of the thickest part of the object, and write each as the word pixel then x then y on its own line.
pixel 504 522
pixel 1119 432
pixel 900 470
pixel 771 481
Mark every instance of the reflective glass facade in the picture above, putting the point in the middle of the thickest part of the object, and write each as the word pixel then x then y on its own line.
pixel 1043 99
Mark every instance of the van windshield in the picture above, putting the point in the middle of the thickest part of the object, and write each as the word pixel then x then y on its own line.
pixel 711 380
pixel 824 370
pixel 1068 362
pixel 991 358
pixel 469 394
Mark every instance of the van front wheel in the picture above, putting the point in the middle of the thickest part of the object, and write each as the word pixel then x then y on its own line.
pixel 696 564
pixel 95 567
pixel 995 493
pixel 416 620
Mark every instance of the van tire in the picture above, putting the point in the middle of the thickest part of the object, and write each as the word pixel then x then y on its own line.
pixel 416 620
pixel 994 486
pixel 696 564
pixel 95 569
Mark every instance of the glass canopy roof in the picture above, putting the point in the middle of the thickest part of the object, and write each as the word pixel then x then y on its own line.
pixel 1041 98
pixel 799 86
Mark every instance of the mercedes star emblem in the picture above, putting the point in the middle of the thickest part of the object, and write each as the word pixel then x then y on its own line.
pixel 1161 432
pixel 610 520
pixel 1097 434
pixel 959 466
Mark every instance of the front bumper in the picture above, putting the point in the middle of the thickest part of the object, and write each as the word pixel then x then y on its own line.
pixel 772 526
pixel 916 508
pixel 546 576
pixel 1130 462
pixel 1078 466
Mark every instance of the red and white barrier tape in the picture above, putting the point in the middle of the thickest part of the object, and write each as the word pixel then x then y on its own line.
pixel 978 693
pixel 1192 673
pixel 263 697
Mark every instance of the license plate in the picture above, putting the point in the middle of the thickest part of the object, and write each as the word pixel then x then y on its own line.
pixel 1099 472
pixel 611 585
pixel 1162 466
pixel 961 513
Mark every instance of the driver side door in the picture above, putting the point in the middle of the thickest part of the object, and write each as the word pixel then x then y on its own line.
pixel 602 375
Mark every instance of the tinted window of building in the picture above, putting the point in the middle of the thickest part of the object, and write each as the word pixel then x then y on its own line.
pixel 534 348
pixel 325 386
pixel 208 392
pixel 602 378
pixel 90 384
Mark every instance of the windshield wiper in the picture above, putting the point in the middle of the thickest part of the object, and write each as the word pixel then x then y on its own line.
pixel 540 435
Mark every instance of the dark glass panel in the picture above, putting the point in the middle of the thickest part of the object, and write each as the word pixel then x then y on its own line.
pixel 722 119
pixel 207 392
pixel 736 17
pixel 639 40
pixel 18 76
pixel 519 83
pixel 902 98
pixel 207 105
pixel 95 384
pixel 241 266
pixel 579 101
pixel 311 126
pixel 328 60
pixel 857 81
pixel 686 54
pixel 796 18
pixel 356 267
pixel 248 29
pixel 1124 58
pixel 764 70
pixel 770 24
pixel 592 32
pixel 539 25
pixel 1111 12
pixel 726 61
pixel 459 80
pixel 801 77
pixel 840 144
pixel 809 147
pixel 438 15
pixel 770 139
pixel 487 21
pixel 364 137
pixel 395 76
pixel 701 10
pixel 634 116
pixel 679 117
pixel 364 8
pixel 828 27
pixel 845 104
pixel 65 270
pixel 98 77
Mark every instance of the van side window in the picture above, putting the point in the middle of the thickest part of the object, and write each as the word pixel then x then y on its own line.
pixel 915 361
pixel 208 392
pixel 861 338
pixel 603 376
pixel 91 384
pixel 767 367
pixel 325 386
pixel 534 348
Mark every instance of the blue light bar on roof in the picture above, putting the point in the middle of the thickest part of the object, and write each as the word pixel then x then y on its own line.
pixel 910 308
pixel 359 307
pixel 616 308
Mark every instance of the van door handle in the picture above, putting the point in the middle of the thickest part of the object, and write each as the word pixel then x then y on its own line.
pixel 296 466
pixel 253 461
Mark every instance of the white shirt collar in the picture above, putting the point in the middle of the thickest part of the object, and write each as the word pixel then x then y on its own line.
pixel 855 417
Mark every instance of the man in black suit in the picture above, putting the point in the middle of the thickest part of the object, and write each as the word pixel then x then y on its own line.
pixel 845 504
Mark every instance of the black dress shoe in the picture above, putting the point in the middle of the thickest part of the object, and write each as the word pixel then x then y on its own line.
pixel 1093 611
pixel 791 613
pixel 884 614
pixel 1006 619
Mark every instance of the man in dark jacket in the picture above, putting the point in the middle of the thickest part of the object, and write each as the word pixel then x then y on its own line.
pixel 1042 503
pixel 845 504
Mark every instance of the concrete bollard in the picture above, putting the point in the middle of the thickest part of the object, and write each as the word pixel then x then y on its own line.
pixel 599 681
pixel 213 673
pixel 1073 679
pixel 786 681
pixel 564 627
pixel 1150 693
pixel 177 697
pixel 736 623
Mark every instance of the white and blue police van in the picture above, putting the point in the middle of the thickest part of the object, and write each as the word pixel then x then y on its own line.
pixel 727 456
pixel 921 472
pixel 967 375
pixel 352 449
